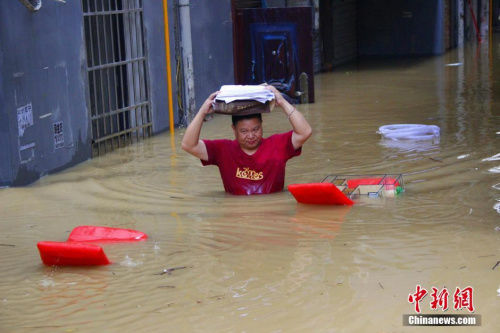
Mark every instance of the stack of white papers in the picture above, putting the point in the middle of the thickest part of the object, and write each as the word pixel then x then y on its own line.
pixel 231 93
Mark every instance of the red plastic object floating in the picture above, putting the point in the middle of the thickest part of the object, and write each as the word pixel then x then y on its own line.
pixel 319 194
pixel 88 233
pixel 71 254
pixel 353 183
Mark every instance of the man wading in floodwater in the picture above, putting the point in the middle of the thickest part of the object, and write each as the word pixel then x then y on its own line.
pixel 250 164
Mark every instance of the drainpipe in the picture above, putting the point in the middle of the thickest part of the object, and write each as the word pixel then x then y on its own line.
pixel 461 22
pixel 187 60
pixel 169 68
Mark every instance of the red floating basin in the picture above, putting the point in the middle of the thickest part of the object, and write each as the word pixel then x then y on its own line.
pixel 88 233
pixel 353 183
pixel 71 254
pixel 319 194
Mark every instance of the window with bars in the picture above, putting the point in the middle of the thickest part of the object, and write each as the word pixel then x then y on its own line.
pixel 120 109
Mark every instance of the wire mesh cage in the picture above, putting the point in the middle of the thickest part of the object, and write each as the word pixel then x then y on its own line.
pixel 378 185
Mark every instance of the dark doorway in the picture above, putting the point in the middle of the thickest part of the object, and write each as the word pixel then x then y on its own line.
pixel 274 45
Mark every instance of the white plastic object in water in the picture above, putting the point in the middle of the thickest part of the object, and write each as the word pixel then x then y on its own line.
pixel 409 132
pixel 495 169
pixel 492 158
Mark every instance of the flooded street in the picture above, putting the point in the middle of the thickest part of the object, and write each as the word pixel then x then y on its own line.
pixel 266 263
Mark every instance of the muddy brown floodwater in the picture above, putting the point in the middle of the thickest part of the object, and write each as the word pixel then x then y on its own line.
pixel 265 263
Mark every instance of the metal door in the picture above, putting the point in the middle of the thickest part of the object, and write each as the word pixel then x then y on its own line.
pixel 119 104
pixel 274 45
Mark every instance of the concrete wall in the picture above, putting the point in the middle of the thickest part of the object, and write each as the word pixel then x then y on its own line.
pixel 481 14
pixel 157 63
pixel 394 27
pixel 5 136
pixel 288 3
pixel 43 82
pixel 496 15
pixel 212 38
pixel 42 64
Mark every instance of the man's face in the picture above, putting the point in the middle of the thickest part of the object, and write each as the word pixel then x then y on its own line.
pixel 248 133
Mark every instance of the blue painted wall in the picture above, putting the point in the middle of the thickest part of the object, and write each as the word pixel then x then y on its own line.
pixel 5 140
pixel 212 36
pixel 394 27
pixel 42 63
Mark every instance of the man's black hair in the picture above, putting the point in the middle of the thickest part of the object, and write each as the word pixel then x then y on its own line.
pixel 246 116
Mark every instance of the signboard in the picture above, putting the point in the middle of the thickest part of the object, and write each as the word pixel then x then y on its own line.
pixel 24 118
pixel 58 135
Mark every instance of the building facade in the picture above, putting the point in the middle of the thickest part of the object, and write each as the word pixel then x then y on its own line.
pixel 84 77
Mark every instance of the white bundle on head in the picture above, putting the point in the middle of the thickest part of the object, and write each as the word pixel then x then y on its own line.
pixel 231 93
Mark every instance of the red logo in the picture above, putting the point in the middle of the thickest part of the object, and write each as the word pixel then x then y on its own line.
pixel 439 299
pixel 417 297
pixel 462 298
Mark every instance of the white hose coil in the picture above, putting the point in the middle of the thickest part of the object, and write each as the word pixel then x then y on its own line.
pixel 409 132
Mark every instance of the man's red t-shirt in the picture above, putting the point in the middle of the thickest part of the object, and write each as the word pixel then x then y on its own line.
pixel 260 173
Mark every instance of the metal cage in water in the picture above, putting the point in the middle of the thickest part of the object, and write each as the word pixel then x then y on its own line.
pixel 373 185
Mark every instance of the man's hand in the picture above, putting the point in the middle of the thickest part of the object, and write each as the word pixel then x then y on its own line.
pixel 279 99
pixel 207 106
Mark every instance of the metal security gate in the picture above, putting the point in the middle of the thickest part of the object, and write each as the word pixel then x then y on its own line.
pixel 117 73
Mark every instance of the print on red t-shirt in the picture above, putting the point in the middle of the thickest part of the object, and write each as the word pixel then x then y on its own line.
pixel 260 173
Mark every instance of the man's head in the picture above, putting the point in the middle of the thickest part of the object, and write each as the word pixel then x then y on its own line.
pixel 248 130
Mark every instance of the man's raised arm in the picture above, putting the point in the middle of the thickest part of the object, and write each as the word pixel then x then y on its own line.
pixel 301 128
pixel 191 141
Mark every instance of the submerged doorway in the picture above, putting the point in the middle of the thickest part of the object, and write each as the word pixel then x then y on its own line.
pixel 119 103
